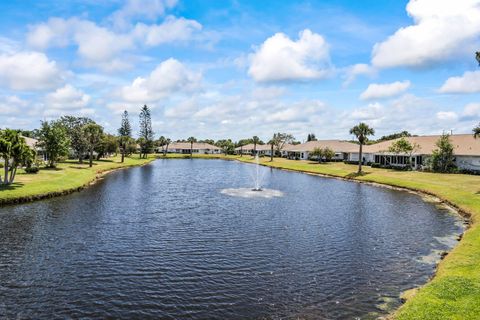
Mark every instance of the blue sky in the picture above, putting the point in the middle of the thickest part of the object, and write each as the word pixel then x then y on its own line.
pixel 234 69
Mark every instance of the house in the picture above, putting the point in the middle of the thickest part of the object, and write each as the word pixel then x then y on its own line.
pixel 303 151
pixel 262 149
pixel 466 151
pixel 197 148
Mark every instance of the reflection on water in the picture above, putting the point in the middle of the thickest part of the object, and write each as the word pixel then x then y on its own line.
pixel 251 193
pixel 161 241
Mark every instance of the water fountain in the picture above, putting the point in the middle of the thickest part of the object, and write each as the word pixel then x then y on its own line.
pixel 257 179
pixel 257 175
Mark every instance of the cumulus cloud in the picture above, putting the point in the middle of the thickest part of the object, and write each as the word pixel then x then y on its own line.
pixel 67 97
pixel 447 115
pixel 441 30
pixel 169 78
pixel 468 83
pixel 171 30
pixel 471 111
pixel 279 58
pixel 12 105
pixel 380 91
pixel 142 10
pixel 28 70
pixel 98 46
pixel 356 70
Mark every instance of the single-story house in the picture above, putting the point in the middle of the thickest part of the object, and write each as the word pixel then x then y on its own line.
pixel 250 149
pixel 303 151
pixel 198 148
pixel 466 151
pixel 261 149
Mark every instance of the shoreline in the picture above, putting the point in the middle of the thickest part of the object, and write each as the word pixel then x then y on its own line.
pixel 42 196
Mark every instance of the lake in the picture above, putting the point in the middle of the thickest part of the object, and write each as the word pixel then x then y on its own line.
pixel 163 242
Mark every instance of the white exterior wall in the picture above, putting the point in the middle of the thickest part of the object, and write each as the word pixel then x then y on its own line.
pixel 468 162
pixel 353 156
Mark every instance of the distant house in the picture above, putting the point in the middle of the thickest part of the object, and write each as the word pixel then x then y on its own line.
pixel 303 151
pixel 250 148
pixel 262 149
pixel 466 151
pixel 198 148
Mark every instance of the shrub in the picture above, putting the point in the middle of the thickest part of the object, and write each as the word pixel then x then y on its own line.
pixel 375 165
pixel 31 170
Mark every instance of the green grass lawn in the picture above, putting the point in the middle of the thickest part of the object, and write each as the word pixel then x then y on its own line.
pixel 68 176
pixel 454 293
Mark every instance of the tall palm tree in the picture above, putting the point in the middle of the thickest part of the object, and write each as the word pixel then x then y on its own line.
pixel 476 131
pixel 255 140
pixel 93 133
pixel 361 131
pixel 167 143
pixel 191 140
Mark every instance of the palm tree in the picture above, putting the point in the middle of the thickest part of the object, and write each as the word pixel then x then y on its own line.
pixel 255 140
pixel 361 131
pixel 94 133
pixel 476 131
pixel 191 140
pixel 167 142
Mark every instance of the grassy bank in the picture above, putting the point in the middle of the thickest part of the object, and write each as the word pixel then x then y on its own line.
pixel 454 293
pixel 69 176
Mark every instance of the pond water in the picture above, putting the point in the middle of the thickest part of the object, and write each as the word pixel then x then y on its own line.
pixel 163 241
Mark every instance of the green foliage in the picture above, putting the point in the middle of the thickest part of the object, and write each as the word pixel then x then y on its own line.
pixel 107 145
pixel 403 146
pixel 476 131
pixel 361 131
pixel 93 134
pixel 228 147
pixel 124 134
pixel 443 159
pixel 323 153
pixel 14 152
pixel 146 132
pixel 393 136
pixel 280 139
pixel 311 137
pixel 54 140
pixel 74 128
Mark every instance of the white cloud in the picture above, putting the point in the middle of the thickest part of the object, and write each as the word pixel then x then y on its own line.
pixel 280 58
pixel 100 47
pixel 356 70
pixel 12 105
pixel 379 91
pixel 169 78
pixel 441 30
pixel 28 71
pixel 171 30
pixel 373 111
pixel 67 97
pixel 142 10
pixel 468 83
pixel 447 116
pixel 471 111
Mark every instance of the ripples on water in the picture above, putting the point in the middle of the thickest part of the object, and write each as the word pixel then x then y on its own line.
pixel 162 241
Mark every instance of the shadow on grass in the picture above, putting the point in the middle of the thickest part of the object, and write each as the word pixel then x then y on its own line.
pixel 12 186
pixel 51 169
pixel 356 175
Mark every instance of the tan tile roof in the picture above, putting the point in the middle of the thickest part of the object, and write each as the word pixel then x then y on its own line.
pixel 32 143
pixel 196 145
pixel 335 145
pixel 260 147
pixel 464 144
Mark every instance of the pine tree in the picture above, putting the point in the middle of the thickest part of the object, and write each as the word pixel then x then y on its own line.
pixel 146 132
pixel 125 134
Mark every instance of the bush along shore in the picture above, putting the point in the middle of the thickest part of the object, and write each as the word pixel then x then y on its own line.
pixel 454 291
pixel 67 177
